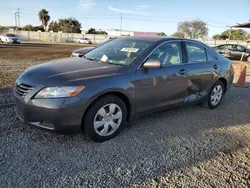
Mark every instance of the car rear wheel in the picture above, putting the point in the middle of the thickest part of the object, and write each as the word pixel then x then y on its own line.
pixel 105 118
pixel 215 95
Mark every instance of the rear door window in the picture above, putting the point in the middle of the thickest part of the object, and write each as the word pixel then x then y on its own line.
pixel 210 57
pixel 240 48
pixel 195 52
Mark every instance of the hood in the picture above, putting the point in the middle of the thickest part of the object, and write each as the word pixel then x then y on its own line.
pixel 64 71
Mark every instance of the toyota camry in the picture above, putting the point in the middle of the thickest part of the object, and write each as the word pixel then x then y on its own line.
pixel 117 81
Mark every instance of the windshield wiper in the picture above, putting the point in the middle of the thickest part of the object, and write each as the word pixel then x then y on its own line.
pixel 91 59
pixel 113 63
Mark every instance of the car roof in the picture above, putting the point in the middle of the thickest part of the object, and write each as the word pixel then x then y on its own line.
pixel 159 38
pixel 151 38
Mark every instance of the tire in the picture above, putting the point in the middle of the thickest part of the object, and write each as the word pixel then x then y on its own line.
pixel 210 102
pixel 93 117
pixel 248 59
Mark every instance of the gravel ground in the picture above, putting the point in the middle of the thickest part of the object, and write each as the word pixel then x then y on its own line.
pixel 183 147
pixel 188 146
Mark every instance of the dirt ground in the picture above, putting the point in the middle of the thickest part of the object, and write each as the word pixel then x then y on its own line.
pixel 36 52
pixel 26 55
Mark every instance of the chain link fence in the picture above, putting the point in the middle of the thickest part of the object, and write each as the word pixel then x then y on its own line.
pixel 57 37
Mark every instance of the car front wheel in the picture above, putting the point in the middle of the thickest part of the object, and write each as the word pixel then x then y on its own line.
pixel 215 95
pixel 105 118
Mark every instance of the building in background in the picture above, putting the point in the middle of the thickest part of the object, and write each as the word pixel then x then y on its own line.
pixel 117 33
pixel 139 33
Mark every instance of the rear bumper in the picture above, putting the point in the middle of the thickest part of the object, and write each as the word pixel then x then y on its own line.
pixel 59 115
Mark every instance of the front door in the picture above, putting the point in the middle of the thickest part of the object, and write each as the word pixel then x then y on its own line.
pixel 164 86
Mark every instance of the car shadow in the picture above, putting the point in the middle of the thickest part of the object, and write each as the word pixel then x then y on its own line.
pixel 153 145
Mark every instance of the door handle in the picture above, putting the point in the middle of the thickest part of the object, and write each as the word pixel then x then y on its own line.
pixel 182 72
pixel 216 66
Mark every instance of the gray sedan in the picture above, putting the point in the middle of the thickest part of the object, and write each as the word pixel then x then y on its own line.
pixel 119 80
pixel 234 51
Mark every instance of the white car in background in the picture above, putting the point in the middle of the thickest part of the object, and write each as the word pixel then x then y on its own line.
pixel 85 41
pixel 9 38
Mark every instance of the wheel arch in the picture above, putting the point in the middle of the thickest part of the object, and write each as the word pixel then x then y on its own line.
pixel 117 93
pixel 224 81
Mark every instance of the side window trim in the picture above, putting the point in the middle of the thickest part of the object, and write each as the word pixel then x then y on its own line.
pixel 168 41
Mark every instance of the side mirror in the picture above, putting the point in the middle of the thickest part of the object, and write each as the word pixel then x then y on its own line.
pixel 152 64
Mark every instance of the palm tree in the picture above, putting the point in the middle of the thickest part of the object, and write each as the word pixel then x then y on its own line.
pixel 44 17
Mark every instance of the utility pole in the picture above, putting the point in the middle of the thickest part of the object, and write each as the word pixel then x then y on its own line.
pixel 15 18
pixel 121 26
pixel 230 32
pixel 18 16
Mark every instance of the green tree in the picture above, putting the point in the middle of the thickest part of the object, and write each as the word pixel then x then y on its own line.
pixel 178 34
pixel 54 26
pixel 69 25
pixel 28 28
pixel 91 31
pixel 234 34
pixel 101 33
pixel 33 28
pixel 193 29
pixel 216 37
pixel 161 34
pixel 44 17
pixel 237 34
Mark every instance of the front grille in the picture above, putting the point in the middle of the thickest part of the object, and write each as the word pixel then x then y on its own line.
pixel 23 89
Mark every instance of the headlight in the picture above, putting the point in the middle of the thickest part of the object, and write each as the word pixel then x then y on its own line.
pixel 74 54
pixel 59 92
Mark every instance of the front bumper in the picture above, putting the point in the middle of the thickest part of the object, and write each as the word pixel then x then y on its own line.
pixel 60 115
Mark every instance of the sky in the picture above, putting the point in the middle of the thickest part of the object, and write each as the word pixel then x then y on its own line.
pixel 137 15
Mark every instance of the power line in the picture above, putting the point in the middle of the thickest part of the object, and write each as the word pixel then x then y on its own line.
pixel 145 19
pixel 149 20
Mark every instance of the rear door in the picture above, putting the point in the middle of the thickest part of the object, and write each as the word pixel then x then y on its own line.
pixel 240 50
pixel 202 69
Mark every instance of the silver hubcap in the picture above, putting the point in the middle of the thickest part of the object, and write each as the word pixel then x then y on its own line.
pixel 108 119
pixel 216 95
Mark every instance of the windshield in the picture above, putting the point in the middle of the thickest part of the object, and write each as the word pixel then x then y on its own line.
pixel 119 51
